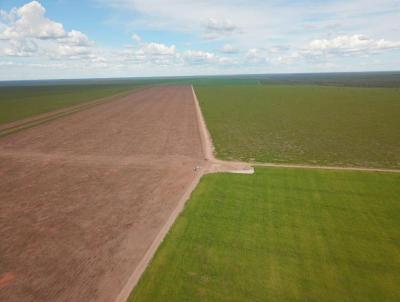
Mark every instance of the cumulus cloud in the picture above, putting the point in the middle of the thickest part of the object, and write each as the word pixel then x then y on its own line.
pixel 229 49
pixel 322 52
pixel 256 55
pixel 26 31
pixel 199 57
pixel 70 51
pixel 29 21
pixel 153 53
pixel 261 24
pixel 158 49
pixel 215 28
pixel 222 26
pixel 286 58
pixel 76 38
pixel 150 52
pixel 19 48
pixel 255 26
pixel 136 38
pixel 351 44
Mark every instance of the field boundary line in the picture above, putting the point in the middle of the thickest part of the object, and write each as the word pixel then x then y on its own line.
pixel 206 141
pixel 301 166
pixel 215 165
pixel 148 256
pixel 29 122
pixel 151 251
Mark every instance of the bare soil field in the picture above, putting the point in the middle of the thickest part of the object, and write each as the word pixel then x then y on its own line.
pixel 37 119
pixel 83 197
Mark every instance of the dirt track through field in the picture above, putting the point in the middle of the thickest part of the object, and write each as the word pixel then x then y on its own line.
pixel 212 164
pixel 83 198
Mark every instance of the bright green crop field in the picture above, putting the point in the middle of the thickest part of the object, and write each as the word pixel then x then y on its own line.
pixel 282 235
pixel 22 102
pixel 340 126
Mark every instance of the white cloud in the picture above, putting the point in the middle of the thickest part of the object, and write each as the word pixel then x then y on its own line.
pixel 29 21
pixel 159 54
pixel 286 58
pixel 227 61
pixel 202 58
pixel 274 34
pixel 136 38
pixel 260 22
pixel 256 55
pixel 222 26
pixel 72 52
pixel 229 49
pixel 76 38
pixel 8 16
pixel 27 32
pixel 210 19
pixel 150 53
pixel 215 28
pixel 19 48
pixel 158 49
pixel 199 57
pixel 351 44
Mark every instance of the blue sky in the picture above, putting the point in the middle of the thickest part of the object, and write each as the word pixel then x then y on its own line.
pixel 119 38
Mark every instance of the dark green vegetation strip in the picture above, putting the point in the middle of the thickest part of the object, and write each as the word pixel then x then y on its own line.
pixel 349 79
pixel 282 235
pixel 21 102
pixel 304 124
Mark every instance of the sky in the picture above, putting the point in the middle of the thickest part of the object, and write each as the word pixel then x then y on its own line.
pixel 61 39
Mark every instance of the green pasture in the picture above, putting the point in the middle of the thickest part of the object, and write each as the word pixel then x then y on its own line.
pixel 282 235
pixel 304 124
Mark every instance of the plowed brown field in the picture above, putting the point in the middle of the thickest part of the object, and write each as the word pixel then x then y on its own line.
pixel 83 197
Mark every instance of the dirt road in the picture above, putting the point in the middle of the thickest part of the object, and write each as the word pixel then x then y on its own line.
pixel 83 197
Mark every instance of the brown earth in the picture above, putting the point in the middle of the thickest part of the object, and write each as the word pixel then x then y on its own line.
pixel 28 122
pixel 82 198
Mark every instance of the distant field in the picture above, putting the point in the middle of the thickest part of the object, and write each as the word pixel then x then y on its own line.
pixel 349 79
pixel 22 99
pixel 219 80
pixel 22 102
pixel 304 124
pixel 282 235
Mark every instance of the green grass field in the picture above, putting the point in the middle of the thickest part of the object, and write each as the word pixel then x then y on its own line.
pixel 304 124
pixel 282 235
pixel 21 102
